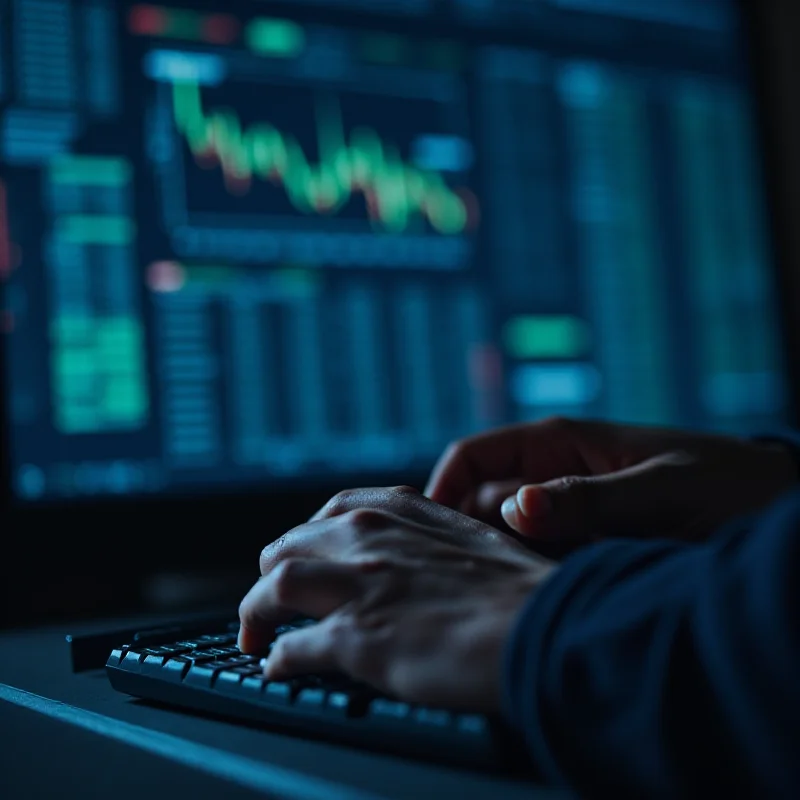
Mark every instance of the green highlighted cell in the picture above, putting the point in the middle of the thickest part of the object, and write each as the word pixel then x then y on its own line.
pixel 278 38
pixel 88 229
pixel 99 376
pixel 298 282
pixel 71 329
pixel 90 171
pixel 71 363
pixel 532 337
pixel 125 399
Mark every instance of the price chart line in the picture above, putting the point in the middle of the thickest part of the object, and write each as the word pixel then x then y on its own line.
pixel 396 193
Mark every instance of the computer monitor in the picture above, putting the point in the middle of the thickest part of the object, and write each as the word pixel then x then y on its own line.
pixel 255 245
pixel 253 252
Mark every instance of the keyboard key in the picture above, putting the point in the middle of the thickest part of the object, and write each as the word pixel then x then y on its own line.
pixel 131 660
pixel 473 724
pixel 218 641
pixel 311 699
pixel 253 685
pixel 201 675
pixel 339 703
pixel 228 682
pixel 253 669
pixel 389 710
pixel 174 670
pixel 278 693
pixel 176 650
pixel 155 651
pixel 116 657
pixel 152 665
pixel 230 663
pixel 198 657
pixel 434 717
pixel 243 660
pixel 352 703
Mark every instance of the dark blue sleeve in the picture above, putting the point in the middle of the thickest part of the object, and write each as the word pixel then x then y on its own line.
pixel 664 670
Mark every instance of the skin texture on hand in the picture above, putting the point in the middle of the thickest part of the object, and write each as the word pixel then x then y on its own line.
pixel 413 598
pixel 578 481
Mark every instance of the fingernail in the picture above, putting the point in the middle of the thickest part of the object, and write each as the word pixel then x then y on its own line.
pixel 509 508
pixel 533 502
pixel 263 664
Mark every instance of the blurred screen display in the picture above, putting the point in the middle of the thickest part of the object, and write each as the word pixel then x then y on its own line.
pixel 252 244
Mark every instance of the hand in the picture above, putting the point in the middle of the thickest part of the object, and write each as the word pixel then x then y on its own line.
pixel 412 598
pixel 574 481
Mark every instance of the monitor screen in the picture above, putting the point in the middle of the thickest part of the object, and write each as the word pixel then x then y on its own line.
pixel 258 244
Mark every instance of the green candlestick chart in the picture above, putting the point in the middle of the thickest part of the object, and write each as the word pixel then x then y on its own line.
pixel 396 193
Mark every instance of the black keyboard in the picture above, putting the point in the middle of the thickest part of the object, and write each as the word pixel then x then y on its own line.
pixel 209 673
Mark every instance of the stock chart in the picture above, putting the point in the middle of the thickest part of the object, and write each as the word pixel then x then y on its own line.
pixel 275 241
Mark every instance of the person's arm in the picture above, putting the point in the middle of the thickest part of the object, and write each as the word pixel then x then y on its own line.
pixel 666 670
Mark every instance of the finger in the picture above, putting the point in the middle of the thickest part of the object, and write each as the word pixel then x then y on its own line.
pixel 307 587
pixel 317 539
pixel 490 496
pixel 533 452
pixel 620 503
pixel 309 650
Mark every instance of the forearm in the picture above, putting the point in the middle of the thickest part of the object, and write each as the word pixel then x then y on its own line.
pixel 655 669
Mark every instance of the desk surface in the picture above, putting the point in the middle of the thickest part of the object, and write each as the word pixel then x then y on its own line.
pixel 74 728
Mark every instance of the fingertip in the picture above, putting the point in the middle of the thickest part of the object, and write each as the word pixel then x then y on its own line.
pixel 248 641
pixel 534 502
pixel 510 514
pixel 269 668
pixel 518 521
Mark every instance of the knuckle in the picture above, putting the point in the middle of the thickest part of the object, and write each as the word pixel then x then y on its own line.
pixel 269 557
pixel 281 653
pixel 341 502
pixel 404 491
pixel 245 612
pixel 284 577
pixel 366 519
pixel 573 484
pixel 274 553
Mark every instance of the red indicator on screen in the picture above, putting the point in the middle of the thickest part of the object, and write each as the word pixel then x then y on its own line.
pixel 220 29
pixel 147 20
pixel 165 277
